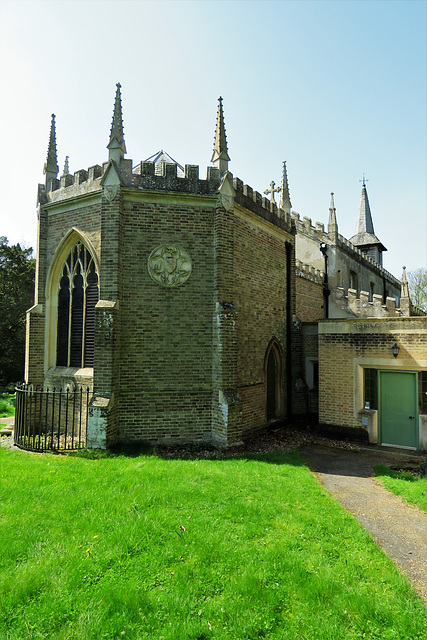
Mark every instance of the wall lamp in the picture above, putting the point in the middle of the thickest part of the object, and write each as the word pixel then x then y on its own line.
pixel 395 350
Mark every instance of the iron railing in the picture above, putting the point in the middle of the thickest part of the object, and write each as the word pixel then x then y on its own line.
pixel 50 419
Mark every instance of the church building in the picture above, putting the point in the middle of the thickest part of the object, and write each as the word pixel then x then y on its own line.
pixel 168 295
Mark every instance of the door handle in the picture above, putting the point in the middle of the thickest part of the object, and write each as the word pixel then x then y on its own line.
pixel 411 417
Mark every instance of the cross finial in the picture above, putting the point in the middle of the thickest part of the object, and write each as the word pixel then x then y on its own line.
pixel 364 180
pixel 272 191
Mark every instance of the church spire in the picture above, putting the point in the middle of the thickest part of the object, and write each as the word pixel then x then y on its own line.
pixel 116 146
pixel 220 157
pixel 364 222
pixel 365 238
pixel 51 165
pixel 285 198
pixel 332 223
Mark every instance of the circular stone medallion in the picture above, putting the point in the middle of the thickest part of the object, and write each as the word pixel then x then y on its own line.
pixel 169 265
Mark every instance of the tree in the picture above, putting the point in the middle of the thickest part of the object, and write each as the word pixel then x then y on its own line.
pixel 417 281
pixel 17 270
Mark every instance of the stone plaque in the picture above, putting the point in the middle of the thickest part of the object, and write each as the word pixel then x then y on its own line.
pixel 169 265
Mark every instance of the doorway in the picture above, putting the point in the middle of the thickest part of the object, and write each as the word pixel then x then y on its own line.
pixel 398 408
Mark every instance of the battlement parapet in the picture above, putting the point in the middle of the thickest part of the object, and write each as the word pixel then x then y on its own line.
pixel 305 225
pixel 363 307
pixel 350 247
pixel 255 202
pixel 166 177
pixel 308 272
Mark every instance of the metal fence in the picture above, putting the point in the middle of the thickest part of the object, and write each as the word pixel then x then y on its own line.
pixel 50 419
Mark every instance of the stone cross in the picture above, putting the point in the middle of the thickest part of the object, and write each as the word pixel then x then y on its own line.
pixel 272 190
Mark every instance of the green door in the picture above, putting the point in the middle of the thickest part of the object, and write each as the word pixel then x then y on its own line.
pixel 398 411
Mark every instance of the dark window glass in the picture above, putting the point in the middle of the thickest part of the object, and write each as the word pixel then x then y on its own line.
pixel 315 375
pixel 77 297
pixel 371 389
pixel 423 385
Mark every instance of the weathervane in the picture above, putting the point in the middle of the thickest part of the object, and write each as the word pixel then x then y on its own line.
pixel 363 180
pixel 272 191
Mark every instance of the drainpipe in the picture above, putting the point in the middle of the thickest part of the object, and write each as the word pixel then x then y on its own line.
pixel 326 292
pixel 288 330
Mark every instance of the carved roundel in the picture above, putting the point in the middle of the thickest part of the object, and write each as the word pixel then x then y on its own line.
pixel 169 265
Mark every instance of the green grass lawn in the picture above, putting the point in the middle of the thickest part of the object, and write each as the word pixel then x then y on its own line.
pixel 160 549
pixel 404 484
pixel 7 405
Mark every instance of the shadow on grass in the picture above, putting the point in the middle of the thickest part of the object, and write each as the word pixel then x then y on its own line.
pixel 401 474
pixel 190 453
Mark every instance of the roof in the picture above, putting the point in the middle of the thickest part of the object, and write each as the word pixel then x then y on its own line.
pixel 160 158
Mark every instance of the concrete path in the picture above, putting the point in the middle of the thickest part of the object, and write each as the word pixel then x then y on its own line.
pixel 400 529
pixel 7 425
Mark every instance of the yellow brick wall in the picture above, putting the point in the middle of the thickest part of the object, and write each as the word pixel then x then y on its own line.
pixel 346 345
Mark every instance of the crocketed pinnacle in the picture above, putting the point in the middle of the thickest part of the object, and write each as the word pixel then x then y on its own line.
pixel 66 167
pixel 220 156
pixel 116 146
pixel 285 198
pixel 51 166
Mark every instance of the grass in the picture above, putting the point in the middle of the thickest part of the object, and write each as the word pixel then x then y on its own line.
pixel 7 405
pixel 402 483
pixel 233 549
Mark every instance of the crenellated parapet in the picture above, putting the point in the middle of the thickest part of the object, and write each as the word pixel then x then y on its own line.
pixel 317 232
pixel 345 244
pixel 308 272
pixel 363 307
pixel 146 176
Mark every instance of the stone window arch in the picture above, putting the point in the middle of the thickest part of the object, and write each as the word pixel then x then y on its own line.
pixel 273 371
pixel 72 294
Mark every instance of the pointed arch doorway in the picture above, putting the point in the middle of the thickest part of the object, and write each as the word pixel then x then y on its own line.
pixel 274 382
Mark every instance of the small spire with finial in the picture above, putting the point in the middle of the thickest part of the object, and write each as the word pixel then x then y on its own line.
pixel 404 289
pixel 220 157
pixel 285 199
pixel 51 166
pixel 332 223
pixel 116 146
pixel 66 167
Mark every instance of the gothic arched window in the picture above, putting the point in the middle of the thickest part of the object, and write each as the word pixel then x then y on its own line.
pixel 77 297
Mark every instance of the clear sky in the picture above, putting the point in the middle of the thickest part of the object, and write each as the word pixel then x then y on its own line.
pixel 335 88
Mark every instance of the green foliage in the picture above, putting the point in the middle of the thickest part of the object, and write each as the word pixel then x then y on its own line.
pixel 7 405
pixel 17 269
pixel 147 548
pixel 411 488
pixel 417 281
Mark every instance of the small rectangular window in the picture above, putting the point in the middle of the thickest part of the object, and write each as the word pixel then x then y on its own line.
pixel 371 389
pixel 353 280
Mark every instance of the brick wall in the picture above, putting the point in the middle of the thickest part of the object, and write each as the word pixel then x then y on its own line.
pixel 166 333
pixel 309 300
pixel 260 298
pixel 345 345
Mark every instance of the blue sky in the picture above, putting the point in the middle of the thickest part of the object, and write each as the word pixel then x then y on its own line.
pixel 336 89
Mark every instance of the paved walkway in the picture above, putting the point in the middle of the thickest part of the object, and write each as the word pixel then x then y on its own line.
pixel 400 529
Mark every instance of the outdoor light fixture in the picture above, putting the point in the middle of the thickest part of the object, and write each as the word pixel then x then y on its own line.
pixel 395 350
